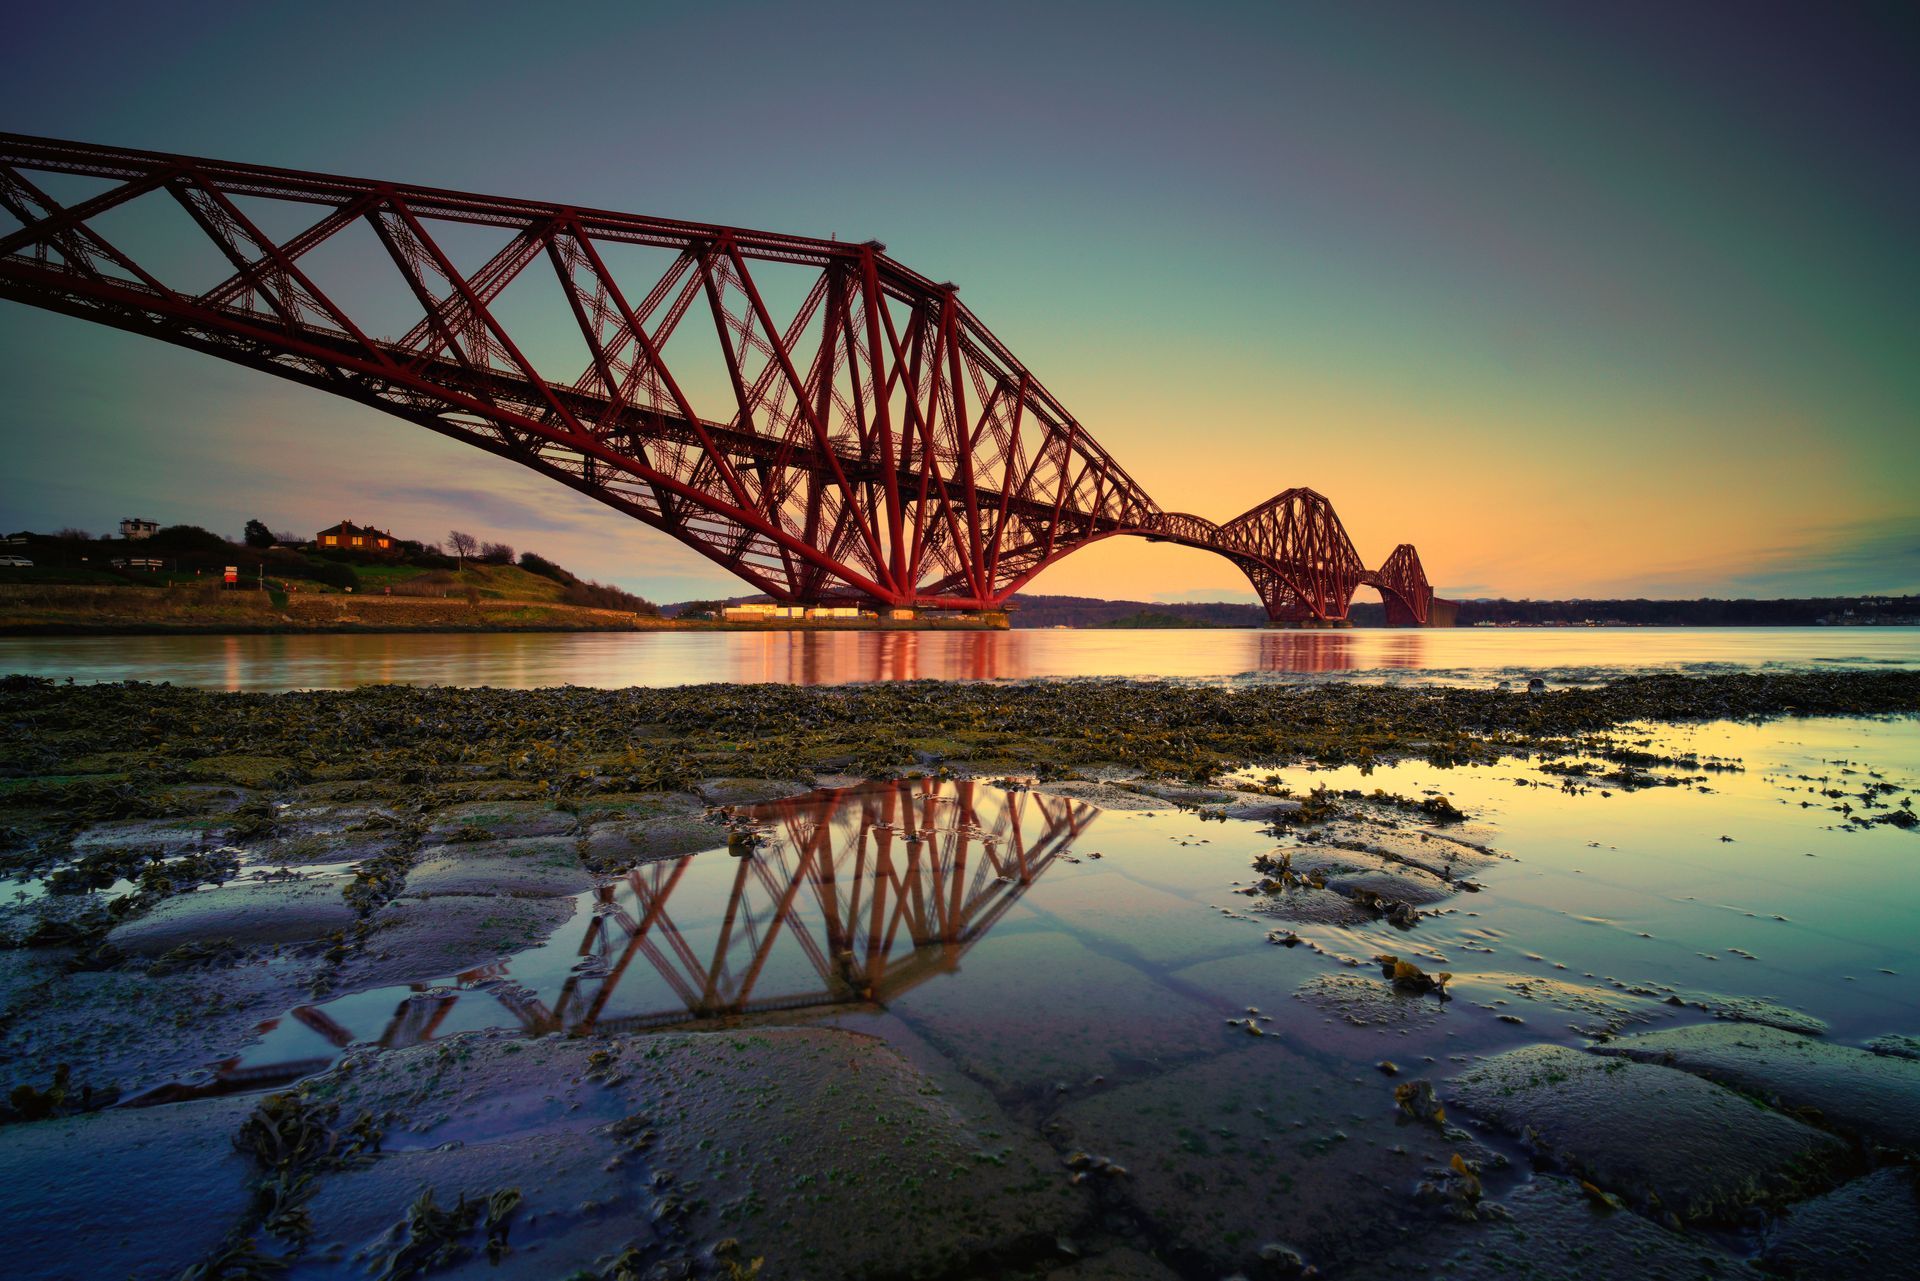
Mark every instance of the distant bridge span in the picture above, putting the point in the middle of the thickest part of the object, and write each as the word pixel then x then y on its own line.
pixel 877 443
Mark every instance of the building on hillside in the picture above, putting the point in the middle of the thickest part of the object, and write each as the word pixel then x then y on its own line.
pixel 133 527
pixel 349 537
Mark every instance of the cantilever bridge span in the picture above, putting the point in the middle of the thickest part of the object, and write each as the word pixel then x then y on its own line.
pixel 811 414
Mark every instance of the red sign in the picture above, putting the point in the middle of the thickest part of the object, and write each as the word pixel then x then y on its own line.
pixel 233 573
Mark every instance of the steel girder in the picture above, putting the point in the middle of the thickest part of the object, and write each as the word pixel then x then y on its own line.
pixel 876 442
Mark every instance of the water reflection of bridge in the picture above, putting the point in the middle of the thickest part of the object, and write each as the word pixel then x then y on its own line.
pixel 852 896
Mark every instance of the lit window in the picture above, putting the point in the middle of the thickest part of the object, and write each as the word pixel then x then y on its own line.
pixel 383 542
pixel 330 540
pixel 357 540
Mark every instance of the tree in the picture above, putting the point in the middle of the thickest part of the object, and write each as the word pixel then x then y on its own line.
pixel 496 553
pixel 257 534
pixel 73 536
pixel 463 545
pixel 701 609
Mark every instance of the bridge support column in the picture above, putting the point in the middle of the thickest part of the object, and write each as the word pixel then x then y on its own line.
pixel 1308 624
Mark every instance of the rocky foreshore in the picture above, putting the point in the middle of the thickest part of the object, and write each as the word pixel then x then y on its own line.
pixel 193 865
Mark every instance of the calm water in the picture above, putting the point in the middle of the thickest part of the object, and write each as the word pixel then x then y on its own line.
pixel 1036 940
pixel 617 660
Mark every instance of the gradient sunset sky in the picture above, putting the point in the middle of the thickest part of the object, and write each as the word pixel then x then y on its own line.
pixel 1584 300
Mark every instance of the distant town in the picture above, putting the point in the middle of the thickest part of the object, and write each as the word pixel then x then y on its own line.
pixel 356 575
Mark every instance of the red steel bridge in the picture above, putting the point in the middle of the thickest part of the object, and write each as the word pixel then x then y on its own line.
pixel 821 420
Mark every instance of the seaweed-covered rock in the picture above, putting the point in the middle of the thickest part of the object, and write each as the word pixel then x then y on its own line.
pixel 1873 1096
pixel 1870 1228
pixel 1656 1136
pixel 247 912
pixel 498 820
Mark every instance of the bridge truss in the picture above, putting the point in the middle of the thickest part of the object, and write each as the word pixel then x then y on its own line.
pixel 810 414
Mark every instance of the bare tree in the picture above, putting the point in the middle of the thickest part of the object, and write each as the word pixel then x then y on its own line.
pixel 463 545
pixel 496 553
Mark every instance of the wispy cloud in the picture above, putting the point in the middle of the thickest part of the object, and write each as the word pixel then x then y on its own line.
pixel 481 507
pixel 1856 558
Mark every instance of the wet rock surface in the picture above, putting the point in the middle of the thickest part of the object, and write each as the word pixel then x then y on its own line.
pixel 1874 1097
pixel 1584 1008
pixel 1362 1001
pixel 529 865
pixel 1663 1140
pixel 1549 1230
pixel 180 1162
pixel 1869 1228
pixel 797 1144
pixel 416 938
pixel 1259 1146
pixel 613 843
pixel 269 913
pixel 1104 1091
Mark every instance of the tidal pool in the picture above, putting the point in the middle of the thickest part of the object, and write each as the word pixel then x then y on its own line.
pixel 1038 939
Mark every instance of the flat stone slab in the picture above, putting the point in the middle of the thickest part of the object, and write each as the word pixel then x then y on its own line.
pixel 1441 855
pixel 1261 1146
pixel 498 820
pixel 798 1143
pixel 1308 905
pixel 1900 1047
pixel 622 843
pixel 1552 1232
pixel 1872 1096
pixel 260 913
pixel 1658 1137
pixel 1869 1228
pixel 1346 871
pixel 414 939
pixel 1586 1008
pixel 521 866
pixel 1370 1002
pixel 749 791
pixel 1253 807
pixel 130 1192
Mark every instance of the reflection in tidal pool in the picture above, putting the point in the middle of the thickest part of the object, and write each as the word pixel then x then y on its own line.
pixel 851 896
pixel 1124 939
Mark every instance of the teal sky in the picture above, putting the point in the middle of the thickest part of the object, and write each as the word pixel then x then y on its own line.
pixel 1583 300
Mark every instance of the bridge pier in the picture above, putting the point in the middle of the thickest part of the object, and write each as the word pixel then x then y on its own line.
pixel 1307 624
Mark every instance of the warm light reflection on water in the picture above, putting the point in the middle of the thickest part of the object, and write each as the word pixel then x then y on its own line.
pixel 616 660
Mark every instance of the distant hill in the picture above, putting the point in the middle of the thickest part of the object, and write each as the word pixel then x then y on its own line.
pixel 1090 611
